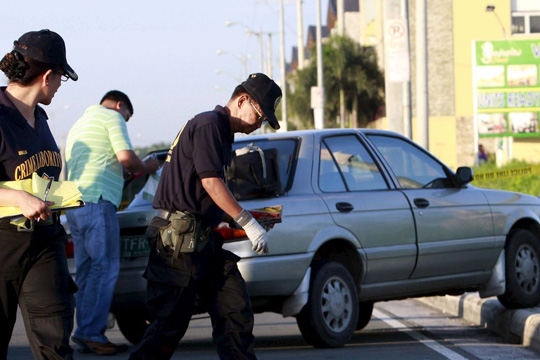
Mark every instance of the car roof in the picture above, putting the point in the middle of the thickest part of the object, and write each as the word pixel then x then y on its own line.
pixel 312 133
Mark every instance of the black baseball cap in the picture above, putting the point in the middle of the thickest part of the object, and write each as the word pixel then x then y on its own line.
pixel 267 93
pixel 47 47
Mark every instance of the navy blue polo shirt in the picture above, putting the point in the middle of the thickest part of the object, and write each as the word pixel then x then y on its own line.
pixel 23 149
pixel 202 149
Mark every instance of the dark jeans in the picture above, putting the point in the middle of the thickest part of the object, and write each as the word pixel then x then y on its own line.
pixel 42 288
pixel 212 278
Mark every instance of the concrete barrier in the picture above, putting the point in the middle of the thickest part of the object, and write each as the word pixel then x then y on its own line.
pixel 516 326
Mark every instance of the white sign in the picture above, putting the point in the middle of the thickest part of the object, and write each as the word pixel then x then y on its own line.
pixel 316 97
pixel 396 39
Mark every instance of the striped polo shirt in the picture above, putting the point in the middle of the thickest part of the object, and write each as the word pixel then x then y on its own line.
pixel 91 148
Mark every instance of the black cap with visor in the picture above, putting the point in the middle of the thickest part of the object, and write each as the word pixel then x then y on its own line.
pixel 267 93
pixel 47 47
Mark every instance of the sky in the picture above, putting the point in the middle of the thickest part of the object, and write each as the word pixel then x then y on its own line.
pixel 161 53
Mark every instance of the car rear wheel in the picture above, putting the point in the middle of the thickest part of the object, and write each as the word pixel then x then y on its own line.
pixel 330 316
pixel 522 270
pixel 132 323
pixel 365 310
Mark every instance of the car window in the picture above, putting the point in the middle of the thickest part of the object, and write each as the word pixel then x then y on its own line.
pixel 133 194
pixel 329 177
pixel 347 165
pixel 286 150
pixel 413 167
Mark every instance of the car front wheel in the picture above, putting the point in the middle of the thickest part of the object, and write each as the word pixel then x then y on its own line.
pixel 331 314
pixel 522 270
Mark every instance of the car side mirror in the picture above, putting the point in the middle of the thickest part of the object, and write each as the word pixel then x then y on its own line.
pixel 464 175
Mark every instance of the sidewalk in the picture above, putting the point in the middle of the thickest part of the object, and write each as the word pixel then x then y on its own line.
pixel 516 326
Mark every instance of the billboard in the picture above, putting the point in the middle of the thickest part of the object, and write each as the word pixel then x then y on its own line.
pixel 507 87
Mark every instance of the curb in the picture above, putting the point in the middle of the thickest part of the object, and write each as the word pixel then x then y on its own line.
pixel 516 326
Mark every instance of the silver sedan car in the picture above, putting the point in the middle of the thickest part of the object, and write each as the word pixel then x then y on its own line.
pixel 368 216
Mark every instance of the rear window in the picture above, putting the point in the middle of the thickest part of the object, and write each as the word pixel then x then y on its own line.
pixel 287 154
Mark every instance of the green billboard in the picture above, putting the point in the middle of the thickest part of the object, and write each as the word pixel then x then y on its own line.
pixel 507 87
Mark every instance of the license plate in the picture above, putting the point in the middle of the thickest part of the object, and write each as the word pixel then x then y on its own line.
pixel 133 246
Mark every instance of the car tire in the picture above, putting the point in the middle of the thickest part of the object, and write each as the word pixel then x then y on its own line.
pixel 132 324
pixel 365 310
pixel 522 253
pixel 329 318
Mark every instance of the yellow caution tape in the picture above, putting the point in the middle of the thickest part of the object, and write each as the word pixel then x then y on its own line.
pixel 508 173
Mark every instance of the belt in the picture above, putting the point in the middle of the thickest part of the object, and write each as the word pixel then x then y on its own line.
pixel 164 214
pixel 30 224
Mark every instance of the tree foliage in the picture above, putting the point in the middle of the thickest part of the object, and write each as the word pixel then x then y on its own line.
pixel 348 66
pixel 142 151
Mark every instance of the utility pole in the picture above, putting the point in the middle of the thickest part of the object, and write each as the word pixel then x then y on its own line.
pixel 341 32
pixel 269 60
pixel 341 17
pixel 397 64
pixel 422 105
pixel 407 113
pixel 317 93
pixel 300 31
pixel 283 71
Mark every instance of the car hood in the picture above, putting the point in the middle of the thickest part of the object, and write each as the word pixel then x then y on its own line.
pixel 502 197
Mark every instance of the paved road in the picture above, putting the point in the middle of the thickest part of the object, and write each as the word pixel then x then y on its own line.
pixel 405 330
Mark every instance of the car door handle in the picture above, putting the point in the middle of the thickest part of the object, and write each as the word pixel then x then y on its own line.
pixel 142 219
pixel 344 207
pixel 421 203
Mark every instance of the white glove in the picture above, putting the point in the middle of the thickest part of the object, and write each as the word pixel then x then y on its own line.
pixel 254 231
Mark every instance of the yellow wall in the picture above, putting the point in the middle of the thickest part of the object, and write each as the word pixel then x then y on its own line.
pixel 526 149
pixel 442 135
pixel 442 139
pixel 472 22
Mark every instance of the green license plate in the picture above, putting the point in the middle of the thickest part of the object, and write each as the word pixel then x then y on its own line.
pixel 133 246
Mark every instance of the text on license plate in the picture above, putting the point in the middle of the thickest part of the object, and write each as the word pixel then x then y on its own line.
pixel 132 246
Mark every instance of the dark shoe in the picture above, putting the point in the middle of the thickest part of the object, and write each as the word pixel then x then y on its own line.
pixel 87 346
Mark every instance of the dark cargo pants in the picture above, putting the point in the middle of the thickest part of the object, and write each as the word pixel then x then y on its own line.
pixel 210 277
pixel 35 276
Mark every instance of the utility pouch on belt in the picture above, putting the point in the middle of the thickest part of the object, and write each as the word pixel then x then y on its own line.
pixel 183 234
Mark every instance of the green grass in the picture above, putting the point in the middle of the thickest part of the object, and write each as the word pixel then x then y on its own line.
pixel 527 184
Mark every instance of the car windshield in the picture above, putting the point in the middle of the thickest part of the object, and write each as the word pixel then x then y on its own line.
pixel 413 167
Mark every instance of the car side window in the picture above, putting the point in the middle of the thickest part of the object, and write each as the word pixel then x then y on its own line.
pixel 346 165
pixel 329 177
pixel 413 167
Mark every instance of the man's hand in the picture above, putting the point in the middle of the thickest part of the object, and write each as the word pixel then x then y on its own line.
pixel 254 232
pixel 152 165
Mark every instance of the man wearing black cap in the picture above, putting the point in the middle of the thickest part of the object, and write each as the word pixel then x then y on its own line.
pixel 192 187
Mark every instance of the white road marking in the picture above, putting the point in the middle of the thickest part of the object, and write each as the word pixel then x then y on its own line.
pixel 430 343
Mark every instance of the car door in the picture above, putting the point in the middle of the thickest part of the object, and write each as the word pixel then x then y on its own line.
pixel 454 225
pixel 360 199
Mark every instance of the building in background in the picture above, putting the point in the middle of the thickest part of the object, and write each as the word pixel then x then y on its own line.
pixel 452 27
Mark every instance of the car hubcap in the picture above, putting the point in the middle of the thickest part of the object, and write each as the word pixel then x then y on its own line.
pixel 527 269
pixel 336 304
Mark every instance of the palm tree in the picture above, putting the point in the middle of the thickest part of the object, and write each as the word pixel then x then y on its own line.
pixel 350 70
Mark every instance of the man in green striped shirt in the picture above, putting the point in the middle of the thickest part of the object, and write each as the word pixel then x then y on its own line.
pixel 98 150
